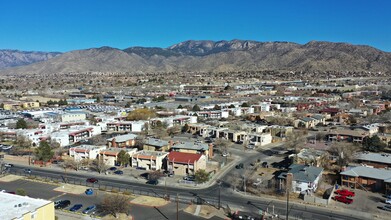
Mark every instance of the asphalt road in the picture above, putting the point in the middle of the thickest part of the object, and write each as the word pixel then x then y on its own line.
pixel 210 195
pixel 47 191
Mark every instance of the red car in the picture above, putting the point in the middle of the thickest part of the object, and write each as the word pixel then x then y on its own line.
pixel 344 192
pixel 92 180
pixel 343 199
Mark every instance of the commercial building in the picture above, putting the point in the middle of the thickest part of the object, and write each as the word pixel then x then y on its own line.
pixel 25 208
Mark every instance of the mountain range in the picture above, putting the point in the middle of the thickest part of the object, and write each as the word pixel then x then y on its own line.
pixel 206 56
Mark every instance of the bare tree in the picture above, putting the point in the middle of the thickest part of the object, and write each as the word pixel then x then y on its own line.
pixel 222 145
pixel 345 152
pixel 99 165
pixel 115 204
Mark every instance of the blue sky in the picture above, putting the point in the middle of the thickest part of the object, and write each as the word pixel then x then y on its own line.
pixel 64 25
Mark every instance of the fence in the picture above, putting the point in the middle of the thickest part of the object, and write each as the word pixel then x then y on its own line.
pixel 158 192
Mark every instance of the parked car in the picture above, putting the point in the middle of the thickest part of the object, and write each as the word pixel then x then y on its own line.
pixel 344 192
pixel 225 154
pixel 119 172
pixel 189 178
pixel 92 180
pixel 89 191
pixel 113 168
pixel 386 208
pixel 251 146
pixel 388 196
pixel 239 166
pixel 62 204
pixel 27 171
pixel 388 201
pixel 75 207
pixel 153 182
pixel 343 199
pixel 89 210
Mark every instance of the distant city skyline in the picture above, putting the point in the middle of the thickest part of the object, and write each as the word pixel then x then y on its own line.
pixel 65 25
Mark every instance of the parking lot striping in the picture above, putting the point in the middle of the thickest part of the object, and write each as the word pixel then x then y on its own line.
pixel 57 196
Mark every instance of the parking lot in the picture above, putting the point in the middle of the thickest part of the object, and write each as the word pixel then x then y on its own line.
pixel 365 202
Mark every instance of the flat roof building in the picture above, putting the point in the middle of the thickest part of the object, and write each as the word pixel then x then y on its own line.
pixel 26 208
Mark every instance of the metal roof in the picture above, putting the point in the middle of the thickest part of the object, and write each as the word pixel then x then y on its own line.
pixel 373 173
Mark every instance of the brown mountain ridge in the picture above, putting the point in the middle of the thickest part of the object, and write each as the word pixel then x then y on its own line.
pixel 217 56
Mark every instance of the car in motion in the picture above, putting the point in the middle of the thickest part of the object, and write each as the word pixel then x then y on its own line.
pixel 344 192
pixel 28 171
pixel 89 210
pixel 75 207
pixel 343 199
pixel 62 204
pixel 92 180
pixel 386 208
pixel 153 182
pixel 9 165
pixel 239 166
pixel 119 172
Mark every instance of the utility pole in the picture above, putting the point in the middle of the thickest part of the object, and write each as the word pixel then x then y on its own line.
pixel 288 184
pixel 177 207
pixel 219 195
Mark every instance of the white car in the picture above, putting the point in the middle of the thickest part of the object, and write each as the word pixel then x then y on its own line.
pixel 388 201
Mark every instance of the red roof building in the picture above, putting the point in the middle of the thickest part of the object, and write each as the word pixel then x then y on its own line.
pixel 181 163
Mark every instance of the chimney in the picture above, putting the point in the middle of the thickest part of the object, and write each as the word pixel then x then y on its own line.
pixel 210 150
pixel 113 143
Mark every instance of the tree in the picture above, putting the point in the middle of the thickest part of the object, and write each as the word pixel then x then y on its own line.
pixel 373 144
pixel 196 108
pixel 231 106
pixel 115 204
pixel 21 192
pixel 185 128
pixel 123 158
pixel 216 107
pixel 201 176
pixel 344 152
pixel 180 107
pixel 140 114
pixel 222 145
pixel 22 142
pixel 99 165
pixel 174 130
pixel 44 152
pixel 245 104
pixel 21 123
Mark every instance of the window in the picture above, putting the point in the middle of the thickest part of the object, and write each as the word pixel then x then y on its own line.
pixel 33 215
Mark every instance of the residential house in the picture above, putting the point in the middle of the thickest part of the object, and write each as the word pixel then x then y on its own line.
pixel 180 163
pixel 89 152
pixel 125 126
pixel 149 160
pixel 373 179
pixel 121 141
pixel 194 148
pixel 110 155
pixel 375 160
pixel 154 144
pixel 346 135
pixel 304 178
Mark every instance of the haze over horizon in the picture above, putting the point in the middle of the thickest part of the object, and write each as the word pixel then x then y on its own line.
pixel 67 25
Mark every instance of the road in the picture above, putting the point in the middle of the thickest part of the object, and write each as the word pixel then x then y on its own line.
pixel 210 194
